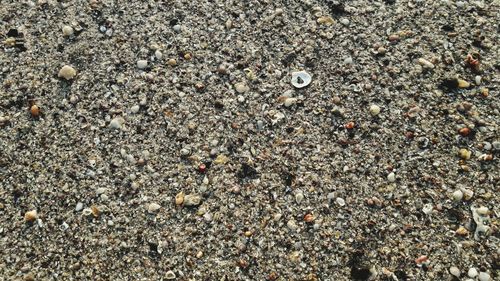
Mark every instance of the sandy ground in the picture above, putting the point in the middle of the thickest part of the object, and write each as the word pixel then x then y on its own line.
pixel 164 140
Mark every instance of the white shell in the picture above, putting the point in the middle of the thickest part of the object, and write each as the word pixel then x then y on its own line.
pixel 301 79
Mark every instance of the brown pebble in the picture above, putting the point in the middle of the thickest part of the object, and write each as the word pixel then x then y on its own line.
pixel 35 110
pixel 30 216
pixel 179 198
pixel 95 211
pixel 464 132
pixel 462 231
pixel 308 218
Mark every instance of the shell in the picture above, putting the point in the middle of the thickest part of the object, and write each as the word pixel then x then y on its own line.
pixel 301 79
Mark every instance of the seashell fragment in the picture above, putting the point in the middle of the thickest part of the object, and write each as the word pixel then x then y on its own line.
pixel 301 79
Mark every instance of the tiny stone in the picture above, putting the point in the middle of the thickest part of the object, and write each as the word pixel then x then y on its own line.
pixel 391 177
pixel 496 145
pixel 299 197
pixel 171 62
pixel 427 209
pixel 116 123
pixel 141 64
pixel 185 152
pixel 241 87
pixel 30 216
pixel 177 28
pixel 290 101
pixel 458 195
pixel 425 63
pixel 344 21
pixel 192 200
pixel 477 79
pixel 135 108
pixel 340 201
pixel 374 110
pixel 348 60
pixel 158 54
pixel 67 72
pixel 170 275
pixel 472 272
pixel 455 271
pixel 153 208
pixel 483 276
pixel 79 206
pixel 464 154
pixel 67 30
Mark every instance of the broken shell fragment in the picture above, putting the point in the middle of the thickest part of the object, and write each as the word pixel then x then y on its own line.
pixel 301 79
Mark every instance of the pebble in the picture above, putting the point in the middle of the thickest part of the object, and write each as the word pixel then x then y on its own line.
pixel 172 62
pixel 299 197
pixel 391 177
pixel 192 200
pixel 472 272
pixel 116 123
pixel 477 80
pixel 170 275
pixel 179 198
pixel 301 79
pixel 185 151
pixel 348 60
pixel 141 64
pixel 458 195
pixel 483 276
pixel 455 271
pixel 79 206
pixel 463 84
pixel 464 154
pixel 468 194
pixel 425 63
pixel 344 21
pixel 496 145
pixel 427 209
pixel 67 30
pixel 67 72
pixel 135 109
pixel 374 110
pixel 30 216
pixel 158 54
pixel 153 208
pixel 241 87
pixel 290 101
pixel 340 201
pixel 177 28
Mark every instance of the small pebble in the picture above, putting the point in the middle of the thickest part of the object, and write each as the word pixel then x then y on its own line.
pixel 477 80
pixel 67 72
pixel 344 21
pixel 179 198
pixel 116 123
pixel 472 273
pixel 192 200
pixel 241 87
pixel 67 30
pixel 299 197
pixel 391 177
pixel 135 109
pixel 463 83
pixel 290 101
pixel 425 63
pixel 172 62
pixel 348 60
pixel 483 276
pixel 30 216
pixel 455 271
pixel 340 201
pixel 158 54
pixel 177 28
pixel 374 110
pixel 464 154
pixel 458 195
pixel 141 64
pixel 79 206
pixel 427 209
pixel 170 275
pixel 153 208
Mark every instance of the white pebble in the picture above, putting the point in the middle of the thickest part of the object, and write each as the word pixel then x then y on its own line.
pixel 135 108
pixel 79 206
pixel 427 209
pixel 425 63
pixel 299 197
pixel 177 28
pixel 153 208
pixel 241 99
pixel 141 64
pixel 340 201
pixel 374 110
pixel 477 79
pixel 241 87
pixel 472 272
pixel 483 276
pixel 348 60
pixel 330 196
pixel 455 271
pixel 185 151
pixel 116 123
pixel 192 200
pixel 391 177
pixel 458 195
pixel 67 72
pixel 158 54
pixel 100 190
pixel 67 30
pixel 344 21
pixel 290 101
pixel 170 275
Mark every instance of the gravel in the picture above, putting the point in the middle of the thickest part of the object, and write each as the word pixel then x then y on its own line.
pixel 135 135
